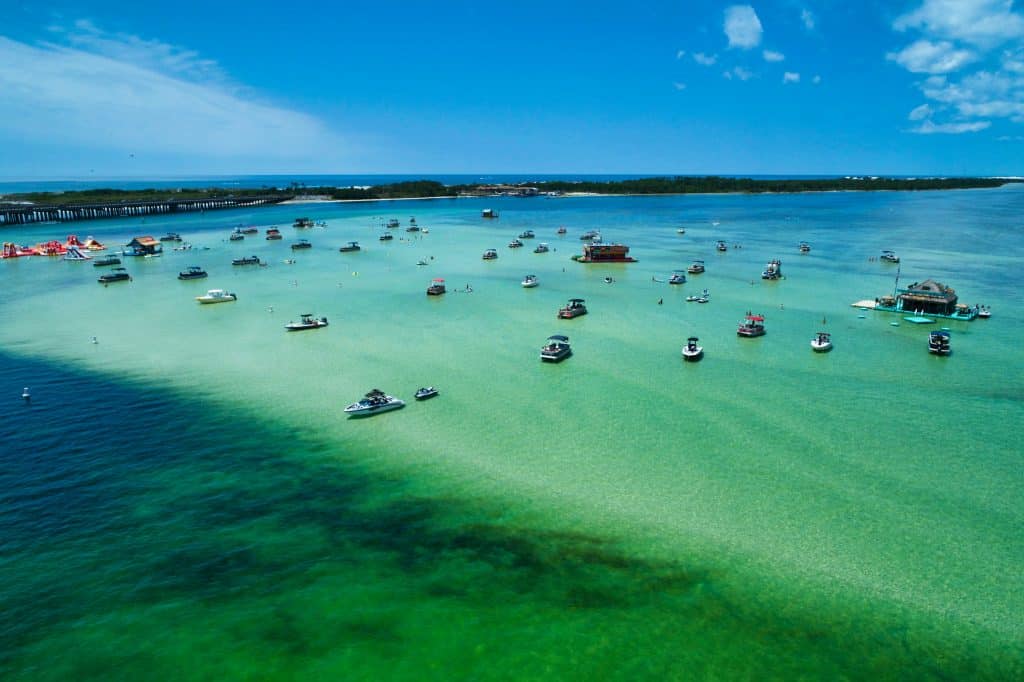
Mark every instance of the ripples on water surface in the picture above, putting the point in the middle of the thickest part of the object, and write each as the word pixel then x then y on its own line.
pixel 183 500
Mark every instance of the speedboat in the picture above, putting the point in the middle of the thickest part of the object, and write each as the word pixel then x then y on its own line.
pixel 773 270
pixel 436 287
pixel 822 342
pixel 556 349
pixel 413 227
pixel 530 281
pixel 426 392
pixel 681 230
pixel 248 260
pixel 171 237
pixel 490 254
pixel 217 296
pixel 387 236
pixel 696 267
pixel 302 223
pixel 106 260
pixel 115 275
pixel 236 237
pixel 677 277
pixel 590 235
pixel 562 230
pixel 574 308
pixel 984 312
pixel 691 351
pixel 515 244
pixel 938 343
pixel 351 246
pixel 394 222
pixel 374 402
pixel 527 234
pixel 541 248
pixel 274 234
pixel 488 213
pixel 889 257
pixel 720 246
pixel 805 247
pixel 752 325
pixel 307 322
pixel 301 244
pixel 421 262
pixel 193 272
pixel 247 230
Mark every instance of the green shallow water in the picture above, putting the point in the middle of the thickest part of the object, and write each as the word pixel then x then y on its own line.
pixel 766 512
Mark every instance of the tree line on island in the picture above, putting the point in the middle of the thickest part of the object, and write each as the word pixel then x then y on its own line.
pixel 429 189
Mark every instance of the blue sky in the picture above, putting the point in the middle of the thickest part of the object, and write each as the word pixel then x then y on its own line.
pixel 792 86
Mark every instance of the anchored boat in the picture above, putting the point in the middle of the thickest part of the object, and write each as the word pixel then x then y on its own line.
pixel 556 349
pixel 376 401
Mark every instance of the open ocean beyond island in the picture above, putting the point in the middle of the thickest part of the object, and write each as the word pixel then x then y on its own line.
pixel 184 499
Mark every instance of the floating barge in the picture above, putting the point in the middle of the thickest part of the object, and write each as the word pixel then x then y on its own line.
pixel 923 299
pixel 604 253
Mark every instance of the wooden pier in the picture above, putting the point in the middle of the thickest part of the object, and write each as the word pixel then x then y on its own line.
pixel 19 214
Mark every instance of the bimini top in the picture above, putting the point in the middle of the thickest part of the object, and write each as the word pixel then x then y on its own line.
pixel 575 300
pixel 438 280
pixel 558 337
pixel 755 318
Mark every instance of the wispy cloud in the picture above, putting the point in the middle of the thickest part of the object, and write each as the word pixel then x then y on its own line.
pixel 101 91
pixel 970 77
pixel 705 59
pixel 739 73
pixel 680 54
pixel 807 18
pixel 742 27
pixel 929 128
pixel 920 113
pixel 772 56
pixel 679 86
pixel 790 77
pixel 924 56
pixel 979 22
pixel 816 80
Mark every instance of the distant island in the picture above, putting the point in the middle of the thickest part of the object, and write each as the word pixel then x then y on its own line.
pixel 34 206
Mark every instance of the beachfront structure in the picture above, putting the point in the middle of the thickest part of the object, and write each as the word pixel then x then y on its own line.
pixel 604 253
pixel 144 246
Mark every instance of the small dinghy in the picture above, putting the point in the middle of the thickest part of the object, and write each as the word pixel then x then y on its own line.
pixel 822 342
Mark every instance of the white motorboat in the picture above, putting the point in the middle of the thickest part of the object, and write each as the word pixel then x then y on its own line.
pixel 217 296
pixel 530 281
pixel 677 278
pixel 822 342
pixel 889 257
pixel 541 248
pixel 938 343
pixel 375 401
pixel 426 392
pixel 691 351
pixel 307 322
pixel 490 254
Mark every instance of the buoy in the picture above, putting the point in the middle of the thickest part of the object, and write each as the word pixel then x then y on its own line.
pixel 25 394
pixel 95 340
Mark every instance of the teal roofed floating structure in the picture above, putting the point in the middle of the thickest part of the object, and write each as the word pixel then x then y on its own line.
pixel 930 298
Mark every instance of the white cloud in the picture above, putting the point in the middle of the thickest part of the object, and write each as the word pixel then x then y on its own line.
pixel 924 56
pixel 816 80
pixel 742 27
pixel 704 59
pixel 1010 138
pixel 978 22
pixel 119 94
pixel 680 54
pixel 928 128
pixel 807 18
pixel 790 77
pixel 921 112
pixel 741 74
pixel 772 56
pixel 679 86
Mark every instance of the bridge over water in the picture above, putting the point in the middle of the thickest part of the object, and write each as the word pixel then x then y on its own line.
pixel 19 214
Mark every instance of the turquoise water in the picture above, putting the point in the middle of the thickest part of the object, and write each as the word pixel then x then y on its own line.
pixel 184 497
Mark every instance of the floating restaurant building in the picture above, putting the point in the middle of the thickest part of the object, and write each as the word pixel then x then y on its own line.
pixel 927 298
pixel 144 246
pixel 604 253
